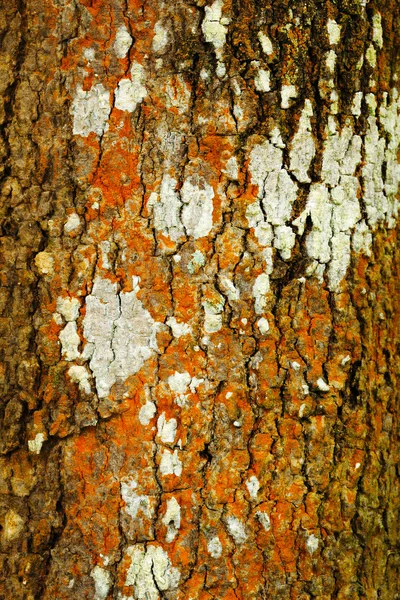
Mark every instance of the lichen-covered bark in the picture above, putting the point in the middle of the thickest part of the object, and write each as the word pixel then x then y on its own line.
pixel 199 300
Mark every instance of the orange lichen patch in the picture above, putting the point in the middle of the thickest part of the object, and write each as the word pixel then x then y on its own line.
pixel 195 586
pixel 138 238
pixel 93 505
pixel 61 413
pixel 39 421
pixel 41 534
pixel 248 570
pixel 230 248
pixel 89 81
pixel 220 576
pixel 186 296
pixel 108 176
pixel 237 407
pixel 50 347
pixel 222 483
pixel 128 424
pixel 216 151
pixel 228 594
pixel 168 245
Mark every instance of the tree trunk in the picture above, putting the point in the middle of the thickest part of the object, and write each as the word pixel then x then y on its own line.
pixel 200 299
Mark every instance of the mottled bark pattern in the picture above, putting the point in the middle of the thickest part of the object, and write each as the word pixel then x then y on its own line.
pixel 197 403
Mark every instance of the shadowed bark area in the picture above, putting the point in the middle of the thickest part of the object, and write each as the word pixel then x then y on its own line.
pixel 199 300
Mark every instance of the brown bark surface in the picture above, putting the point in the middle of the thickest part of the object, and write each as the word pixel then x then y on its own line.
pixel 196 403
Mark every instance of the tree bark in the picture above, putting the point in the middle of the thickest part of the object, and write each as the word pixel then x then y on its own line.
pixel 199 299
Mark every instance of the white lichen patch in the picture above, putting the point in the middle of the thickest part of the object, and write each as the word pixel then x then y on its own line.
pixel 322 385
pixel 330 61
pixel 232 168
pixel 105 250
pixel 262 229
pixel 131 92
pixel 220 70
pixel 194 384
pixel 198 260
pixel 333 204
pixel 68 307
pixel 237 529
pixel 147 412
pixel 179 382
pixel 170 463
pixel 362 238
pixel 73 222
pixel 160 39
pixel 89 54
pixel 213 313
pixel 276 138
pixel 370 55
pixel 123 41
pixel 102 582
pixel 238 112
pixel 36 444
pixel 13 525
pixel 214 547
pixel 264 520
pixel 179 328
pixel 189 212
pixel 44 263
pixel 334 98
pixel 253 485
pixel 134 502
pixel 80 375
pixel 302 149
pixel 58 318
pixel 384 209
pixel 228 288
pixel 277 193
pixel 356 106
pixel 263 325
pixel 166 429
pixel 197 197
pixel 312 543
pixel 121 330
pixel 150 572
pixel 261 287
pixel 91 110
pixel 172 519
pixel 214 27
pixel 333 31
pixel 70 341
pixel 288 92
pixel 377 32
pixel 266 43
pixel 254 215
pixel 262 81
pixel 167 209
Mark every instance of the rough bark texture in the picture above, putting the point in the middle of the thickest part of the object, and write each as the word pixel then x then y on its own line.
pixel 199 299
